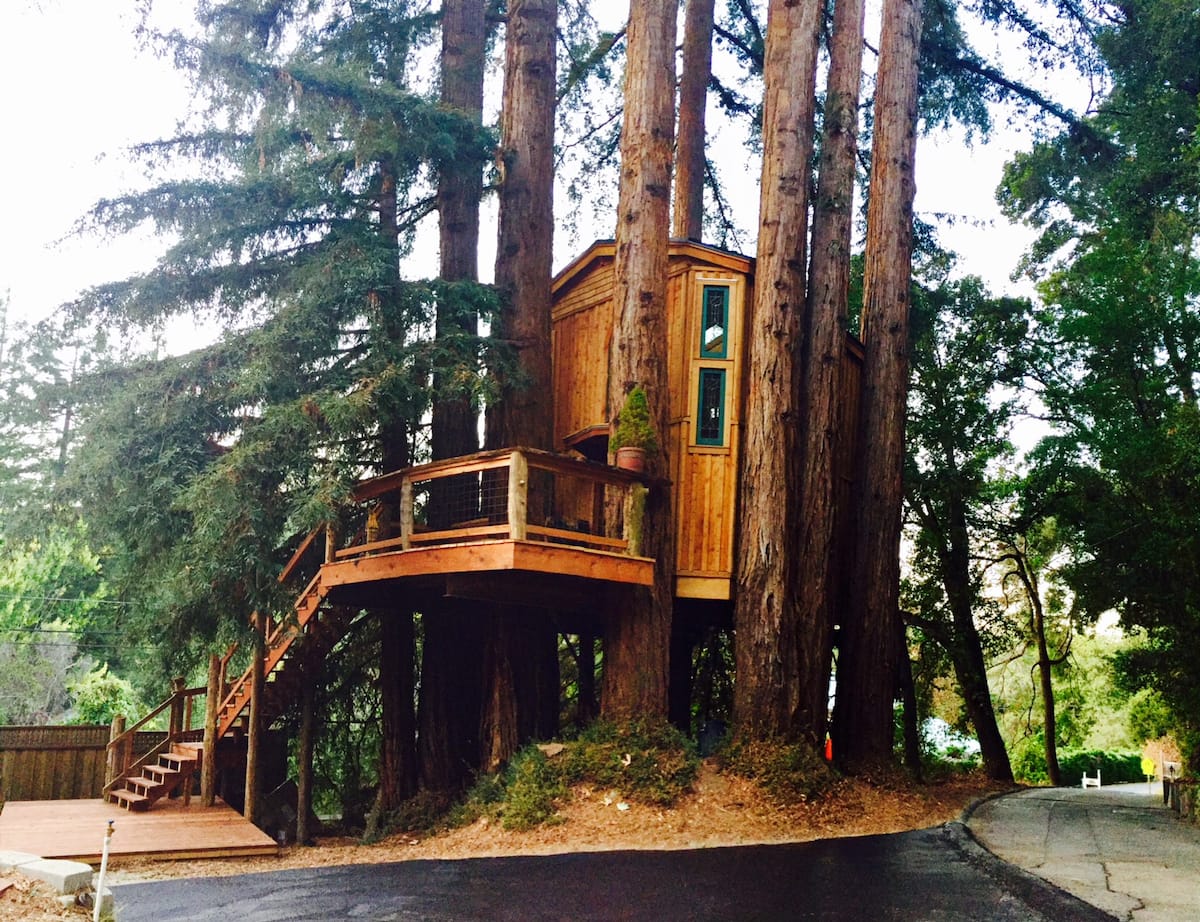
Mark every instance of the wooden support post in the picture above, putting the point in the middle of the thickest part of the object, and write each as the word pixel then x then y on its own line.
pixel 187 713
pixel 304 758
pixel 254 721
pixel 208 757
pixel 176 725
pixel 114 764
pixel 330 541
pixel 518 496
pixel 406 514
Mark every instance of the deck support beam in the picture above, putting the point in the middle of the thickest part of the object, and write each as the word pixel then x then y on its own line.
pixel 254 730
pixel 208 757
pixel 304 755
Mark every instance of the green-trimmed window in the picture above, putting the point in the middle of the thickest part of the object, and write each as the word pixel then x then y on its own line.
pixel 714 322
pixel 710 413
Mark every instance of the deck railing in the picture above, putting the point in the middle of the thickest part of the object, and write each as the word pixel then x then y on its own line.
pixel 513 494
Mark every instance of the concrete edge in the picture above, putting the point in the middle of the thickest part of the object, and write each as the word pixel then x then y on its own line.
pixel 969 809
pixel 1041 895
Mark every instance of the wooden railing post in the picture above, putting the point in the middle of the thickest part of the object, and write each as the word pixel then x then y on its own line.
pixel 330 541
pixel 518 496
pixel 114 765
pixel 406 513
pixel 175 727
pixel 208 756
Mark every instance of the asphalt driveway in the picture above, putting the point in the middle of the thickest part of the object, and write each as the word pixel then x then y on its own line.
pixel 932 874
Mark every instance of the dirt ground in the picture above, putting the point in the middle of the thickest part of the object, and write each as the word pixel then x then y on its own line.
pixel 722 810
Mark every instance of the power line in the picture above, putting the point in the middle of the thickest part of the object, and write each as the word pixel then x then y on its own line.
pixel 62 598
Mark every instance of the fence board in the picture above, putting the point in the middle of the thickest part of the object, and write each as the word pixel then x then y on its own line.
pixel 57 763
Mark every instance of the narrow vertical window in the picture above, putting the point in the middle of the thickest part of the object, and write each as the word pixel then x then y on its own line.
pixel 710 427
pixel 714 325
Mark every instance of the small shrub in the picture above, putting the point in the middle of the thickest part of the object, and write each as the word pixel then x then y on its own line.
pixel 532 789
pixel 646 761
pixel 485 798
pixel 788 772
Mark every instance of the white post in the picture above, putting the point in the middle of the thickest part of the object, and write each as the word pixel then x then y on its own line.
pixel 99 895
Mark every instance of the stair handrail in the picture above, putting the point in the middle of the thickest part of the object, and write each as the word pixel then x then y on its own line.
pixel 119 751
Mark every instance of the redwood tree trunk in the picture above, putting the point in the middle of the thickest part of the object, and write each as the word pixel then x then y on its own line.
pixel 767 645
pixel 693 97
pixel 637 635
pixel 865 692
pixel 398 757
pixel 521 666
pixel 452 654
pixel 824 349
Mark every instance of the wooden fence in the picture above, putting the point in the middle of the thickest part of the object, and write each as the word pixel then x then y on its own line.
pixel 58 763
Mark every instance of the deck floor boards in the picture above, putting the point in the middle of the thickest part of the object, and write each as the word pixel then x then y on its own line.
pixel 75 829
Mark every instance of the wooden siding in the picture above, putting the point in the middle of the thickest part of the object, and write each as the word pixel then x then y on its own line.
pixel 580 339
pixel 57 763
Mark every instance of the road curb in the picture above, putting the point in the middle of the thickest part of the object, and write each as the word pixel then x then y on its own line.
pixel 1041 895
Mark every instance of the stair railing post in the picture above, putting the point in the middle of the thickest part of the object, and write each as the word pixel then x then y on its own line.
pixel 113 763
pixel 330 541
pixel 175 727
pixel 518 496
pixel 208 756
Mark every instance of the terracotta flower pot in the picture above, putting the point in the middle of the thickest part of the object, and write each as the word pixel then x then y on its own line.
pixel 630 458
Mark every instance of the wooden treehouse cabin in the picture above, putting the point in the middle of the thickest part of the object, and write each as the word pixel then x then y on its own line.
pixel 549 530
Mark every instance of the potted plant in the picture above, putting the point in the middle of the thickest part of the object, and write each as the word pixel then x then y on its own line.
pixel 635 436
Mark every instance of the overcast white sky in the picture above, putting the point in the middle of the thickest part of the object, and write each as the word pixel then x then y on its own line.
pixel 77 89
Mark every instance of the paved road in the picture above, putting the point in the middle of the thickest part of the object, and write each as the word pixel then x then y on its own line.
pixel 1117 847
pixel 934 874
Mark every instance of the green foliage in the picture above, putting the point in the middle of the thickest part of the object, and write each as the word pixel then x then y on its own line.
pixel 533 788
pixel 99 696
pixel 1029 765
pixel 645 760
pixel 1150 717
pixel 634 427
pixel 788 772
pixel 1118 207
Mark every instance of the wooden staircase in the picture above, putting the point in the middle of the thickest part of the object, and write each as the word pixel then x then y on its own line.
pixel 314 630
pixel 173 770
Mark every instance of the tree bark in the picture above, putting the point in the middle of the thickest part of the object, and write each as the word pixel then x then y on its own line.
pixel 304 754
pixel 823 350
pixel 767 644
pixel 863 712
pixel 449 709
pixel 460 187
pixel 254 721
pixel 521 666
pixel 398 759
pixel 965 646
pixel 693 98
pixel 637 635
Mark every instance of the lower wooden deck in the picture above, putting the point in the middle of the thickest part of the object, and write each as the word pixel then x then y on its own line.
pixel 74 829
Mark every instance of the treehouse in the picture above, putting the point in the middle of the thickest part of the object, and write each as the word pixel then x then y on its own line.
pixel 549 530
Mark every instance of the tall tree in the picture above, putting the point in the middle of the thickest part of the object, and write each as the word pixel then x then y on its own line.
pixel 523 650
pixel 768 646
pixel 452 655
pixel 637 636
pixel 863 709
pixel 690 156
pixel 822 357
pixel 969 352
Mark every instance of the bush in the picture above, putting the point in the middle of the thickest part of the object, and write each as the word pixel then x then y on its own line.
pixel 533 787
pixel 1114 767
pixel 1029 764
pixel 788 772
pixel 646 761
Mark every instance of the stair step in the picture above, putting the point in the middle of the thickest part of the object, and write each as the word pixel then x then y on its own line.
pixel 180 763
pixel 131 800
pixel 145 784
